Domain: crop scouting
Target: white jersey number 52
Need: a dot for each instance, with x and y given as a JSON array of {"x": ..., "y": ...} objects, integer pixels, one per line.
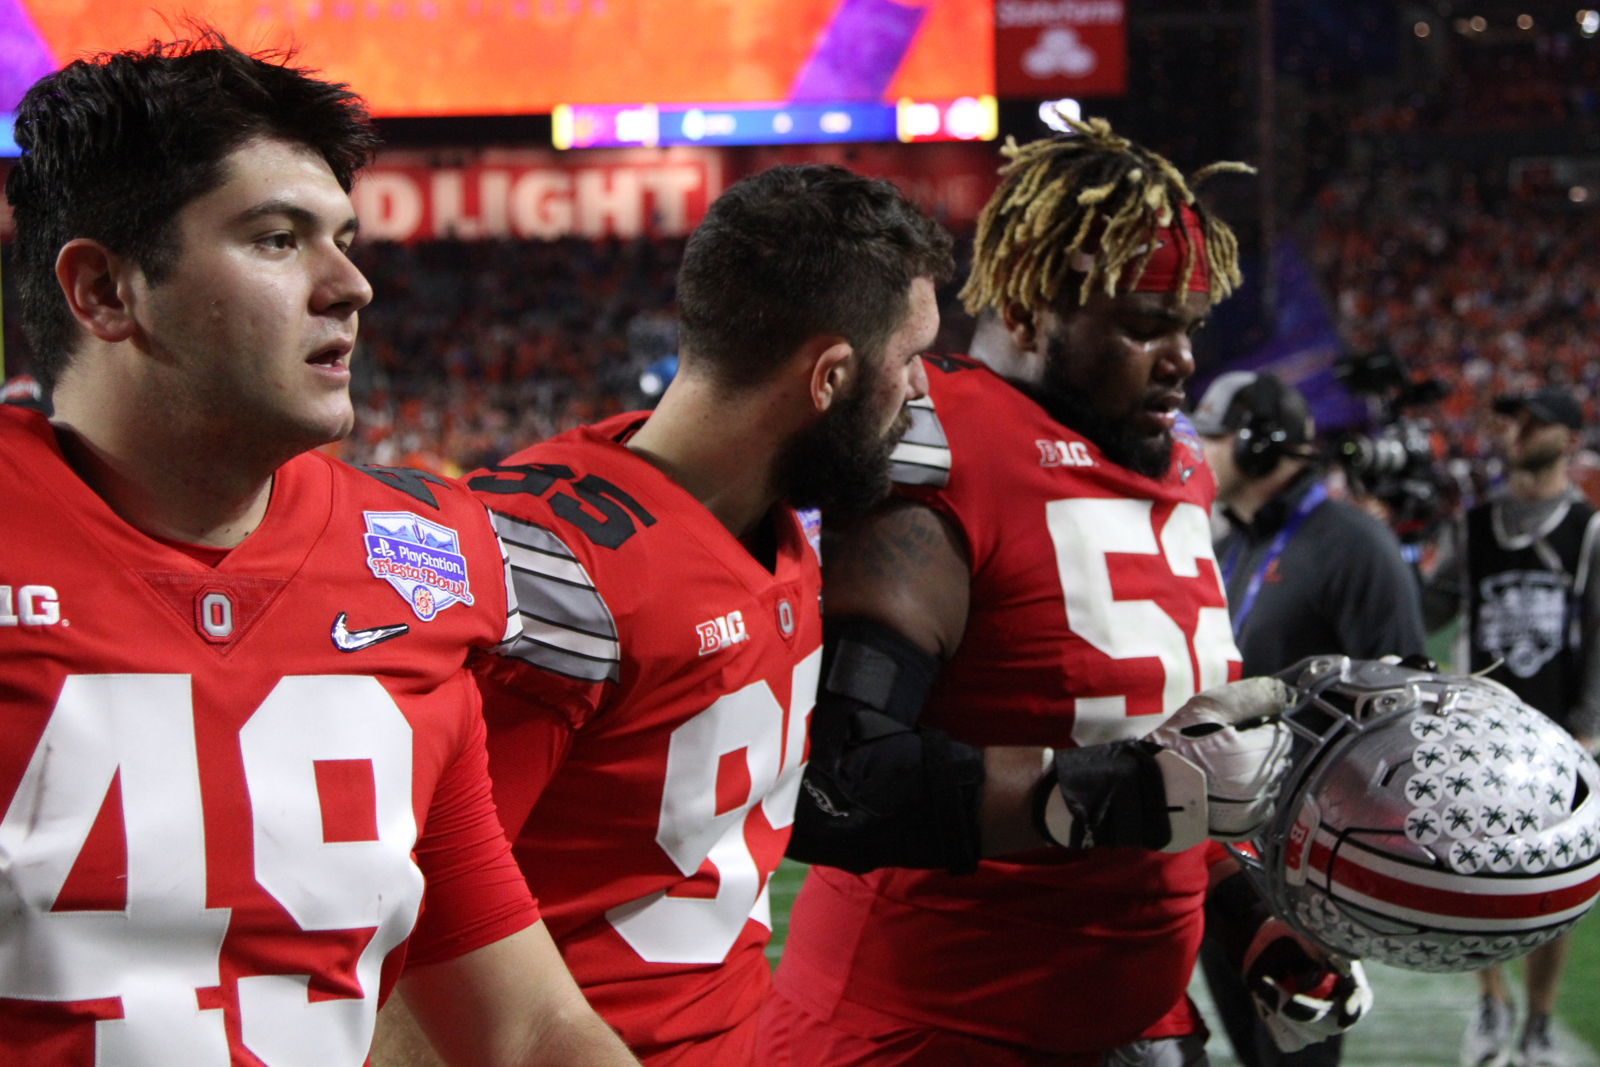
[
  {"x": 165, "y": 945},
  {"x": 1084, "y": 532}
]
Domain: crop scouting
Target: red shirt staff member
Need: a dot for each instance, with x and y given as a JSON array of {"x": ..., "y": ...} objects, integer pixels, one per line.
[
  {"x": 235, "y": 765},
  {"x": 1045, "y": 579}
]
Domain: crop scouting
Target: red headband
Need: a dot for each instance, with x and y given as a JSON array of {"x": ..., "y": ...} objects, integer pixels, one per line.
[{"x": 1165, "y": 269}]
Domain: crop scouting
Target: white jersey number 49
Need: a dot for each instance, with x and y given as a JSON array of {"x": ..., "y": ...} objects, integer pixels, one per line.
[
  {"x": 166, "y": 944},
  {"x": 668, "y": 929}
]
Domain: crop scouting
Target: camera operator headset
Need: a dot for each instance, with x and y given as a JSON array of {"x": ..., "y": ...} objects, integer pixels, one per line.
[{"x": 1305, "y": 575}]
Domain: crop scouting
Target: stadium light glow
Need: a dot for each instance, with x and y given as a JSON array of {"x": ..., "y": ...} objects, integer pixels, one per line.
[
  {"x": 1578, "y": 194},
  {"x": 1589, "y": 22},
  {"x": 1524, "y": 22},
  {"x": 1422, "y": 29},
  {"x": 1050, "y": 113},
  {"x": 1478, "y": 23}
]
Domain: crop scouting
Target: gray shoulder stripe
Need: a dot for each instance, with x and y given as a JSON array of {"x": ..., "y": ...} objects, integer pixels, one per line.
[
  {"x": 913, "y": 474},
  {"x": 562, "y": 619},
  {"x": 579, "y": 644},
  {"x": 923, "y": 455},
  {"x": 566, "y": 626},
  {"x": 573, "y": 619},
  {"x": 562, "y": 661},
  {"x": 529, "y": 535},
  {"x": 551, "y": 566},
  {"x": 580, "y": 606},
  {"x": 925, "y": 428}
]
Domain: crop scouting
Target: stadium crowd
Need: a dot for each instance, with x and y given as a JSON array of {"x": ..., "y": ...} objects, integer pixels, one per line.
[{"x": 1491, "y": 291}]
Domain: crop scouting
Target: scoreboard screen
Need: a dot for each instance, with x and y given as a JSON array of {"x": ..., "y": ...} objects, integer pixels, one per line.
[{"x": 487, "y": 57}]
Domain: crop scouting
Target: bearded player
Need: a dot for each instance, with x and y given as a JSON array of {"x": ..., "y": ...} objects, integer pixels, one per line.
[
  {"x": 1040, "y": 596},
  {"x": 648, "y": 730},
  {"x": 240, "y": 753}
]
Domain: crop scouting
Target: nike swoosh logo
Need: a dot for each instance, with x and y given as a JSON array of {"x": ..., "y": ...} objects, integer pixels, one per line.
[{"x": 346, "y": 640}]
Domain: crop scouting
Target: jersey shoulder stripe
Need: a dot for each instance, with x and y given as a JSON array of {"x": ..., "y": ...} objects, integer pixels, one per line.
[
  {"x": 566, "y": 626},
  {"x": 923, "y": 455}
]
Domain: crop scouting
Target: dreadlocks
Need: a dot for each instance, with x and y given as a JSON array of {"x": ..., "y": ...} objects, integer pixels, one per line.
[{"x": 1088, "y": 203}]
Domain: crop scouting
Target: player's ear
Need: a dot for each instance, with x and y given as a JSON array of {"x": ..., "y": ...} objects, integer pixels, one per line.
[
  {"x": 1022, "y": 324},
  {"x": 96, "y": 284},
  {"x": 831, "y": 370}
]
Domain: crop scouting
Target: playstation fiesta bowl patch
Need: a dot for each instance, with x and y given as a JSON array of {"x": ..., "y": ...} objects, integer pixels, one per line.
[{"x": 420, "y": 559}]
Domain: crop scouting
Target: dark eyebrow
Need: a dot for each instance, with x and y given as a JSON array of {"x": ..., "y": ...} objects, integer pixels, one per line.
[{"x": 300, "y": 215}]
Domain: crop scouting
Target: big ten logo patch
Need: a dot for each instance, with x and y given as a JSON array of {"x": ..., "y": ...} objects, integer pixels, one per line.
[
  {"x": 724, "y": 631},
  {"x": 1064, "y": 454},
  {"x": 30, "y": 605}
]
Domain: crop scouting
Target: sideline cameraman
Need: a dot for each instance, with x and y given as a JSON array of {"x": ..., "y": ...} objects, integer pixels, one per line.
[
  {"x": 1517, "y": 570},
  {"x": 1305, "y": 575}
]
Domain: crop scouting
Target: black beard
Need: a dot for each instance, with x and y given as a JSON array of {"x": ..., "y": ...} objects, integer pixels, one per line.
[
  {"x": 1074, "y": 408},
  {"x": 839, "y": 463}
]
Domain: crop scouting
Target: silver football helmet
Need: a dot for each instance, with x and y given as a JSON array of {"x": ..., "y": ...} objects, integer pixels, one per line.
[{"x": 1430, "y": 821}]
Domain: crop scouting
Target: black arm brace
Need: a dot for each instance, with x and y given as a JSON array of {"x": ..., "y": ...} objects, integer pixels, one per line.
[
  {"x": 879, "y": 790},
  {"x": 1114, "y": 792}
]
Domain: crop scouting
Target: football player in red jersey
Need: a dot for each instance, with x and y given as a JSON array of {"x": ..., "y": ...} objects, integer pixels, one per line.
[
  {"x": 648, "y": 729},
  {"x": 242, "y": 773},
  {"x": 1014, "y": 648}
]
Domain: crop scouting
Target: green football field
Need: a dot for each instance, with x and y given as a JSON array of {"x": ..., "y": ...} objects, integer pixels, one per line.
[{"x": 1580, "y": 991}]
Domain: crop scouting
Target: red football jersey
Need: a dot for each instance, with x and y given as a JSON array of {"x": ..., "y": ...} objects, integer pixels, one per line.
[
  {"x": 1096, "y": 611},
  {"x": 224, "y": 789},
  {"x": 653, "y": 716}
]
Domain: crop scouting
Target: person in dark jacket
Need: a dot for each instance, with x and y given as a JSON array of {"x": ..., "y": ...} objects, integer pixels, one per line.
[
  {"x": 1517, "y": 569},
  {"x": 1305, "y": 575}
]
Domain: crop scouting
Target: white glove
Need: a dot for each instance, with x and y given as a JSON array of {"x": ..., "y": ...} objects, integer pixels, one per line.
[
  {"x": 1303, "y": 995},
  {"x": 1224, "y": 753}
]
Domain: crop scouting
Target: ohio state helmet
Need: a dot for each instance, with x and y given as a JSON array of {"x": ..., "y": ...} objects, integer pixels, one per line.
[{"x": 1430, "y": 821}]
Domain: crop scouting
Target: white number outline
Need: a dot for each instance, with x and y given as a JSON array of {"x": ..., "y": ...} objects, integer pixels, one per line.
[
  {"x": 1085, "y": 531},
  {"x": 665, "y": 929},
  {"x": 166, "y": 944}
]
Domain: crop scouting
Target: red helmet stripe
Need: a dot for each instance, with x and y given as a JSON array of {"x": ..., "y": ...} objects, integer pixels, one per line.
[{"x": 1543, "y": 902}]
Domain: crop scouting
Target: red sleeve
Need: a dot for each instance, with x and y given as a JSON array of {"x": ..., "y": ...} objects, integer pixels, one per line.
[
  {"x": 528, "y": 742},
  {"x": 475, "y": 894}
]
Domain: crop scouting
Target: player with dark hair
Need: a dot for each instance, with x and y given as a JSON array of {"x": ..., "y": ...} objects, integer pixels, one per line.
[
  {"x": 1012, "y": 773},
  {"x": 243, "y": 783},
  {"x": 648, "y": 729}
]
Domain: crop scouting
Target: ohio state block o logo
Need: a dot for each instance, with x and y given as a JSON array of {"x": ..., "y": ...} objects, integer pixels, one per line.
[{"x": 214, "y": 616}]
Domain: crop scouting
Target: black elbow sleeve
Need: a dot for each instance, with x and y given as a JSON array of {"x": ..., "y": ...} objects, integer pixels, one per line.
[{"x": 879, "y": 790}]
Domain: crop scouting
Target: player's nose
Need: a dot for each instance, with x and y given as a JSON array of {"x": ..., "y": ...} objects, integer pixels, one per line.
[
  {"x": 342, "y": 289},
  {"x": 917, "y": 380},
  {"x": 1175, "y": 358}
]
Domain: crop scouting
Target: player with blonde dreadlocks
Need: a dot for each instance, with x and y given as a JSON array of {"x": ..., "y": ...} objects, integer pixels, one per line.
[
  {"x": 1062, "y": 195},
  {"x": 1006, "y": 817}
]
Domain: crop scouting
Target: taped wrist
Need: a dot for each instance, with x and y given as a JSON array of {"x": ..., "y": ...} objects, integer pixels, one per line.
[
  {"x": 1113, "y": 793},
  {"x": 879, "y": 790},
  {"x": 1234, "y": 912}
]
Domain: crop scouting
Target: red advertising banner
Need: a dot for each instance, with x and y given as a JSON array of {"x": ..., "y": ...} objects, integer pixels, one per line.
[
  {"x": 950, "y": 181},
  {"x": 530, "y": 193},
  {"x": 1051, "y": 48},
  {"x": 627, "y": 192}
]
